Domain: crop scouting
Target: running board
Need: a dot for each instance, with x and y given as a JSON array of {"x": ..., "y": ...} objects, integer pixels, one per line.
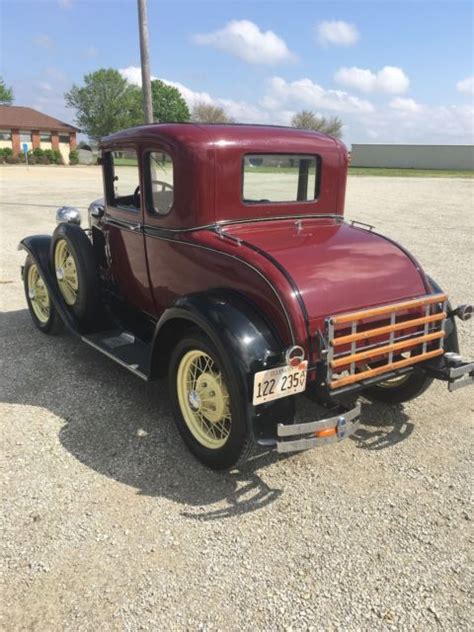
[{"x": 123, "y": 347}]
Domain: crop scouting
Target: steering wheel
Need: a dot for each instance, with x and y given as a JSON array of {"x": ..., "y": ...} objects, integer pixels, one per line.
[
  {"x": 136, "y": 197},
  {"x": 164, "y": 185}
]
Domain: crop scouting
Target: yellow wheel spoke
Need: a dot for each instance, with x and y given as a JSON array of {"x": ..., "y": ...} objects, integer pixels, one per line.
[
  {"x": 66, "y": 271},
  {"x": 39, "y": 297},
  {"x": 204, "y": 399}
]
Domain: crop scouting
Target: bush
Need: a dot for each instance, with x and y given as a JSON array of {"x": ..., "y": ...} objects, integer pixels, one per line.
[
  {"x": 11, "y": 159},
  {"x": 21, "y": 157},
  {"x": 58, "y": 157},
  {"x": 48, "y": 154},
  {"x": 31, "y": 158},
  {"x": 73, "y": 157},
  {"x": 7, "y": 151},
  {"x": 44, "y": 160},
  {"x": 37, "y": 152}
]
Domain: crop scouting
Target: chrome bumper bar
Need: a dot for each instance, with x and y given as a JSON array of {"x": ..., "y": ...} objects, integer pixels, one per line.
[
  {"x": 344, "y": 424},
  {"x": 461, "y": 375}
]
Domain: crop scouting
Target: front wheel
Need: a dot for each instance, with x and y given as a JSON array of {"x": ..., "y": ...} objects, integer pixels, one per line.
[
  {"x": 73, "y": 259},
  {"x": 399, "y": 389},
  {"x": 208, "y": 407},
  {"x": 42, "y": 310}
]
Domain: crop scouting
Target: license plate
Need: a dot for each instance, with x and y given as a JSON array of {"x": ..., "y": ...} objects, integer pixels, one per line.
[{"x": 280, "y": 381}]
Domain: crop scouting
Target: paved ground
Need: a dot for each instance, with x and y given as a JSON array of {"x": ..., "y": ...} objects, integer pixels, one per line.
[{"x": 109, "y": 524}]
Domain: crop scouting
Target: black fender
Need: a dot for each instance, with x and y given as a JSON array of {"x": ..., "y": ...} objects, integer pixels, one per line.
[
  {"x": 451, "y": 342},
  {"x": 241, "y": 333},
  {"x": 38, "y": 247}
]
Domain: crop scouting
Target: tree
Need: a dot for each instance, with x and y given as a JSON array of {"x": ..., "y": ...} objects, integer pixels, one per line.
[
  {"x": 6, "y": 94},
  {"x": 104, "y": 104},
  {"x": 168, "y": 103},
  {"x": 309, "y": 120},
  {"x": 206, "y": 113}
]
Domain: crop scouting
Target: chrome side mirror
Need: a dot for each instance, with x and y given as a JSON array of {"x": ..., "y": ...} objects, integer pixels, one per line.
[{"x": 68, "y": 215}]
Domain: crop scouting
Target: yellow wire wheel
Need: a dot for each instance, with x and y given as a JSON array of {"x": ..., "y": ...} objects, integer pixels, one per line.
[
  {"x": 66, "y": 272},
  {"x": 394, "y": 382},
  {"x": 38, "y": 294},
  {"x": 204, "y": 399}
]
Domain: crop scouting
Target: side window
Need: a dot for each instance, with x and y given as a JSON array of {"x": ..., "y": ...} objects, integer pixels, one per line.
[
  {"x": 161, "y": 183},
  {"x": 123, "y": 179}
]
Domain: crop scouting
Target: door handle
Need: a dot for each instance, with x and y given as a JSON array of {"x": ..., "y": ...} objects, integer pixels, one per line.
[{"x": 136, "y": 227}]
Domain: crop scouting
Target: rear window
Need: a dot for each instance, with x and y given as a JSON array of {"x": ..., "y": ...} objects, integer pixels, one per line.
[{"x": 269, "y": 178}]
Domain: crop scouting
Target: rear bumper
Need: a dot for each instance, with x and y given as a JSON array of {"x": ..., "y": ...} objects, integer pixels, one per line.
[
  {"x": 462, "y": 375},
  {"x": 316, "y": 433},
  {"x": 453, "y": 370}
]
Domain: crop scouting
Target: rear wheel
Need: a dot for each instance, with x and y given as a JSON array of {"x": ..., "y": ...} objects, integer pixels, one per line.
[
  {"x": 73, "y": 259},
  {"x": 208, "y": 407},
  {"x": 399, "y": 389},
  {"x": 42, "y": 310}
]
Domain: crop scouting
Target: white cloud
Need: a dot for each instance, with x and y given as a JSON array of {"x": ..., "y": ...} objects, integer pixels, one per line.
[
  {"x": 245, "y": 40},
  {"x": 466, "y": 85},
  {"x": 390, "y": 79},
  {"x": 43, "y": 41},
  {"x": 240, "y": 110},
  {"x": 54, "y": 73},
  {"x": 403, "y": 120},
  {"x": 90, "y": 51},
  {"x": 133, "y": 75},
  {"x": 45, "y": 86},
  {"x": 442, "y": 124},
  {"x": 337, "y": 32},
  {"x": 306, "y": 93},
  {"x": 405, "y": 105}
]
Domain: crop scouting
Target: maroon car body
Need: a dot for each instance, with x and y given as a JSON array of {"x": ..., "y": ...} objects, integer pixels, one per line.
[
  {"x": 344, "y": 270},
  {"x": 262, "y": 278}
]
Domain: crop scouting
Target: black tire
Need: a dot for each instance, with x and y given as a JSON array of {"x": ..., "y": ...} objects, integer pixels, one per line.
[
  {"x": 86, "y": 304},
  {"x": 238, "y": 446},
  {"x": 413, "y": 385},
  {"x": 51, "y": 323}
]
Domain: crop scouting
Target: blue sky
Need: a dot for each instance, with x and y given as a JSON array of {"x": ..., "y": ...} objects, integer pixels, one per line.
[{"x": 393, "y": 71}]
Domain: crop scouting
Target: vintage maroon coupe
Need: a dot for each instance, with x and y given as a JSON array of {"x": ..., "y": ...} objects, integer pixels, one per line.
[{"x": 220, "y": 256}]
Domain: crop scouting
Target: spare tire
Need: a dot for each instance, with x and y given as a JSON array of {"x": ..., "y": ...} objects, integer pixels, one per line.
[{"x": 73, "y": 259}]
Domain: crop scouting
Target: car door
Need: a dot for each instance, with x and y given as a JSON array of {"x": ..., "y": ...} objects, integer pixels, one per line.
[{"x": 124, "y": 227}]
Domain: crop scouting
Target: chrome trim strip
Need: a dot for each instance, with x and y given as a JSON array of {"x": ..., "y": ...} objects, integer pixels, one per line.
[
  {"x": 125, "y": 224},
  {"x": 230, "y": 222},
  {"x": 112, "y": 357},
  {"x": 148, "y": 233}
]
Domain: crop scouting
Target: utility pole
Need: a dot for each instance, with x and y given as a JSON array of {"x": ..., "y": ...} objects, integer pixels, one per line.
[{"x": 145, "y": 59}]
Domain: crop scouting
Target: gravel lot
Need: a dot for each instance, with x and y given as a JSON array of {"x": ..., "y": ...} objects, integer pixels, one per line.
[{"x": 110, "y": 524}]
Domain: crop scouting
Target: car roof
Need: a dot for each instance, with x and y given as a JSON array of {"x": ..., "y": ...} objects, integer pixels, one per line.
[{"x": 219, "y": 134}]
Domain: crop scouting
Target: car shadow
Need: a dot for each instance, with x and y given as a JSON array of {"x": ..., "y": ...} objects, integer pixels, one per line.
[
  {"x": 122, "y": 427},
  {"x": 382, "y": 426}
]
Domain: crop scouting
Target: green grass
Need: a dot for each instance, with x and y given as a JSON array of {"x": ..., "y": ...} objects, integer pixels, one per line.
[
  {"x": 353, "y": 171},
  {"x": 409, "y": 173},
  {"x": 125, "y": 162},
  {"x": 376, "y": 171}
]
